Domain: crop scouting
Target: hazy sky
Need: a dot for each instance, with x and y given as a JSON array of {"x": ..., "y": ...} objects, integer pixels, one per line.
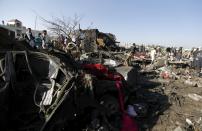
[{"x": 165, "y": 22}]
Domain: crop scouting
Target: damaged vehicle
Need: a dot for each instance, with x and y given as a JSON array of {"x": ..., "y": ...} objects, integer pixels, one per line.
[{"x": 49, "y": 91}]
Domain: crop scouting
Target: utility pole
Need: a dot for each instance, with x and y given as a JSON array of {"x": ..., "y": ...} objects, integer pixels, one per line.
[{"x": 35, "y": 22}]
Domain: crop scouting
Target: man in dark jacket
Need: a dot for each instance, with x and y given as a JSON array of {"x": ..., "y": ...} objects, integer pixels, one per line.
[{"x": 29, "y": 37}]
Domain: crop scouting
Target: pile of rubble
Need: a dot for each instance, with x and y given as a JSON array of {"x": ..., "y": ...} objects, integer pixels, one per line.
[
  {"x": 51, "y": 90},
  {"x": 173, "y": 96},
  {"x": 97, "y": 86}
]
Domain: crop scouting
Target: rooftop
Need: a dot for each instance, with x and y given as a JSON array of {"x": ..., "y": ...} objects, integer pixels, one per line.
[{"x": 14, "y": 20}]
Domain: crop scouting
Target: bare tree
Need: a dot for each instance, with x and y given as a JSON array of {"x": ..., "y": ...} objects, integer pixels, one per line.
[{"x": 66, "y": 26}]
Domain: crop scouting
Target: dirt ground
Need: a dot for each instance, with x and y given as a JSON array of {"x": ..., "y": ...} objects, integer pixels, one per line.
[{"x": 169, "y": 102}]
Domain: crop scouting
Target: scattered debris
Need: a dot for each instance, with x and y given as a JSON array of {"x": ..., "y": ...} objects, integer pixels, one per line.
[
  {"x": 92, "y": 84},
  {"x": 178, "y": 129},
  {"x": 195, "y": 97}
]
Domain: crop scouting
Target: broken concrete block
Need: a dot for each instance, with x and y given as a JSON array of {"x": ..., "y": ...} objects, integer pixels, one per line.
[
  {"x": 195, "y": 97},
  {"x": 178, "y": 129},
  {"x": 190, "y": 83}
]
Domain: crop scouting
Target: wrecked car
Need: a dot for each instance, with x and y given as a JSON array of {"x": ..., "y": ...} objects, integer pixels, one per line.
[{"x": 49, "y": 91}]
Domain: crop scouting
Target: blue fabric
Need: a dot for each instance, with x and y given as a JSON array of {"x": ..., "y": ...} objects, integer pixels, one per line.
[{"x": 38, "y": 42}]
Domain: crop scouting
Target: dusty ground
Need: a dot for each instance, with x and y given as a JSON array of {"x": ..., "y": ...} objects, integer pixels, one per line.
[{"x": 169, "y": 107}]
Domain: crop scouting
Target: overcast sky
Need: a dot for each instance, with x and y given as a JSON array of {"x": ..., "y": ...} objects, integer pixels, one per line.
[{"x": 164, "y": 22}]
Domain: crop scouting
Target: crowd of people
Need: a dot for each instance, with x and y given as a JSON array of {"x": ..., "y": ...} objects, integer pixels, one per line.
[
  {"x": 41, "y": 41},
  {"x": 170, "y": 54}
]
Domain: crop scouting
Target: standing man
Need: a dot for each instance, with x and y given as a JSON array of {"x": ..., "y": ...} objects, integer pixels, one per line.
[
  {"x": 38, "y": 41},
  {"x": 29, "y": 37},
  {"x": 45, "y": 40},
  {"x": 179, "y": 54},
  {"x": 130, "y": 55},
  {"x": 134, "y": 49},
  {"x": 153, "y": 55},
  {"x": 198, "y": 60}
]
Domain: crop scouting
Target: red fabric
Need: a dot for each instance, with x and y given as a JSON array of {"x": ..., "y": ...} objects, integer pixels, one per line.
[
  {"x": 128, "y": 124},
  {"x": 99, "y": 69},
  {"x": 165, "y": 75}
]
